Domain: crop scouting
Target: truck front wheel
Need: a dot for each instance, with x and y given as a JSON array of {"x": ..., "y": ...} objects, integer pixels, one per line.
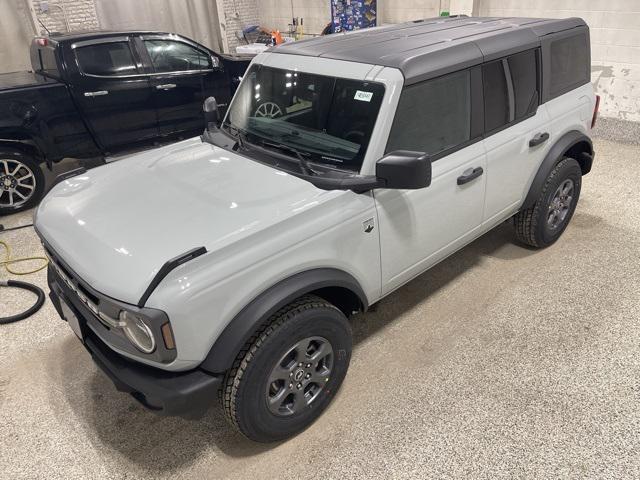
[
  {"x": 289, "y": 371},
  {"x": 21, "y": 182}
]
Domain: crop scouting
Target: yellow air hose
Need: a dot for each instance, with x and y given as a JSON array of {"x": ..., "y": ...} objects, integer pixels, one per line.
[{"x": 8, "y": 261}]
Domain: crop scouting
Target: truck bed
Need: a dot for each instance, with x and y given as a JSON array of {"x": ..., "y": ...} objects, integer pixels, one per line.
[{"x": 18, "y": 80}]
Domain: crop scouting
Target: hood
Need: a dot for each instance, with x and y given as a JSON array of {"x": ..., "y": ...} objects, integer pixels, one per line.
[{"x": 116, "y": 225}]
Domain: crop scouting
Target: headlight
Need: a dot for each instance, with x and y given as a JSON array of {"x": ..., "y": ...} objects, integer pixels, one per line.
[{"x": 137, "y": 331}]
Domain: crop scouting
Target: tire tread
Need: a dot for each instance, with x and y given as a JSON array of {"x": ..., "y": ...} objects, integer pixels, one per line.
[
  {"x": 526, "y": 222},
  {"x": 233, "y": 378}
]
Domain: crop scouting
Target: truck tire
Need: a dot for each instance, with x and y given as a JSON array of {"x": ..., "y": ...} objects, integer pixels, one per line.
[
  {"x": 288, "y": 372},
  {"x": 543, "y": 223},
  {"x": 21, "y": 182}
]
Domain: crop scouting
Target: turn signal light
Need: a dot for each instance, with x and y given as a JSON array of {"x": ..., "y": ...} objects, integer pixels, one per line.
[{"x": 167, "y": 335}]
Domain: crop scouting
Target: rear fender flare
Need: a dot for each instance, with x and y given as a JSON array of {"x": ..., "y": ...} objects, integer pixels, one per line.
[{"x": 571, "y": 139}]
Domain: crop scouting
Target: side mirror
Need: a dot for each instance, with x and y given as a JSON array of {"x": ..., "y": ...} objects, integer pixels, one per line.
[
  {"x": 404, "y": 169},
  {"x": 211, "y": 113},
  {"x": 216, "y": 64}
]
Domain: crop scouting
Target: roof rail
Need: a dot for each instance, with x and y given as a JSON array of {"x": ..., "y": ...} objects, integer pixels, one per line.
[{"x": 439, "y": 18}]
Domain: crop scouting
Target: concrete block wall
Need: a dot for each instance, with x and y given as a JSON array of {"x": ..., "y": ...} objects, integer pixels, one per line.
[
  {"x": 238, "y": 15},
  {"x": 615, "y": 44},
  {"x": 80, "y": 14}
]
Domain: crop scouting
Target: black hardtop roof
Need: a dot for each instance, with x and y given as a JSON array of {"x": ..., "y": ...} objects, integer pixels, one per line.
[
  {"x": 95, "y": 34},
  {"x": 431, "y": 47}
]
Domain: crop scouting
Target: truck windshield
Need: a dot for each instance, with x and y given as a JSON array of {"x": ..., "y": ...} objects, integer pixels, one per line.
[{"x": 326, "y": 119}]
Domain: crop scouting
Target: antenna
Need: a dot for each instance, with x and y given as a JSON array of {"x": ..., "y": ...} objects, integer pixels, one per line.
[{"x": 40, "y": 22}]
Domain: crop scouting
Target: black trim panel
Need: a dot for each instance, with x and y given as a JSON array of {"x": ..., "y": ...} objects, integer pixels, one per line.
[
  {"x": 555, "y": 154},
  {"x": 167, "y": 393},
  {"x": 166, "y": 268},
  {"x": 239, "y": 330}
]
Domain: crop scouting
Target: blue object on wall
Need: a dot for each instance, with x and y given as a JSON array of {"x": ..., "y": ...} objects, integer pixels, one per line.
[{"x": 353, "y": 14}]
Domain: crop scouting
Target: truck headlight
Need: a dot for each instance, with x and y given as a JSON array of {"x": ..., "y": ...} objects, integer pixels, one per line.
[{"x": 137, "y": 331}]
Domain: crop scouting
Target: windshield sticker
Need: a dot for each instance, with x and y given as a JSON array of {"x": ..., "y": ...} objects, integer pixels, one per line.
[{"x": 363, "y": 96}]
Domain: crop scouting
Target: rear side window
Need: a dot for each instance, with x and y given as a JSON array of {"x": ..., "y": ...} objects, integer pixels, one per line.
[
  {"x": 569, "y": 64},
  {"x": 433, "y": 116},
  {"x": 496, "y": 96},
  {"x": 106, "y": 59},
  {"x": 511, "y": 90},
  {"x": 523, "y": 68}
]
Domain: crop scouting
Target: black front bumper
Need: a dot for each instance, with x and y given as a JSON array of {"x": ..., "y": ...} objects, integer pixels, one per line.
[{"x": 168, "y": 393}]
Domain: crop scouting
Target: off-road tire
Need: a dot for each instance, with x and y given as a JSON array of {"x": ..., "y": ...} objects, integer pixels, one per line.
[
  {"x": 531, "y": 226},
  {"x": 38, "y": 181},
  {"x": 243, "y": 393}
]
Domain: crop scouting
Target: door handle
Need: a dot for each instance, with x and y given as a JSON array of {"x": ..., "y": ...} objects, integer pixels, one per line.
[
  {"x": 99, "y": 93},
  {"x": 166, "y": 86},
  {"x": 538, "y": 139},
  {"x": 467, "y": 177}
]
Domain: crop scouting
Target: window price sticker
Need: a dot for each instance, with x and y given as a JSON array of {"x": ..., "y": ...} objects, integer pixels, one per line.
[{"x": 363, "y": 96}]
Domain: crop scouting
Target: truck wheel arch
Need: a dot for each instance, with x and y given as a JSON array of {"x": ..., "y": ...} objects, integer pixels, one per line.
[
  {"x": 572, "y": 144},
  {"x": 9, "y": 146},
  {"x": 335, "y": 286}
]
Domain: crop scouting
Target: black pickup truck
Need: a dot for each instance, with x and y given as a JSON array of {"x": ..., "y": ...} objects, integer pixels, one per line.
[{"x": 96, "y": 94}]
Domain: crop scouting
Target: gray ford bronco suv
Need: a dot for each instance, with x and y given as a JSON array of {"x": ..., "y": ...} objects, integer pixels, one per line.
[{"x": 226, "y": 266}]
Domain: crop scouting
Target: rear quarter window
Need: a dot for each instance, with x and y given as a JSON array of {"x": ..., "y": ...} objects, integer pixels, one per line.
[
  {"x": 523, "y": 68},
  {"x": 569, "y": 63}
]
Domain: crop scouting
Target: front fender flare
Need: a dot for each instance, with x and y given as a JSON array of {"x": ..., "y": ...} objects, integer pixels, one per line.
[
  {"x": 555, "y": 154},
  {"x": 244, "y": 324}
]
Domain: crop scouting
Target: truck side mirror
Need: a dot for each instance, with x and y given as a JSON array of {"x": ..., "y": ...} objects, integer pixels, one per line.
[
  {"x": 404, "y": 169},
  {"x": 211, "y": 113}
]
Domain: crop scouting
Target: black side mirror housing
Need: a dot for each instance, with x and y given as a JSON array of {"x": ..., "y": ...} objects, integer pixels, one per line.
[
  {"x": 404, "y": 169},
  {"x": 211, "y": 113}
]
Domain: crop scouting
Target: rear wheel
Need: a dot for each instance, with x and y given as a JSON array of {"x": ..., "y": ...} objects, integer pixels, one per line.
[
  {"x": 287, "y": 374},
  {"x": 21, "y": 182},
  {"x": 543, "y": 223}
]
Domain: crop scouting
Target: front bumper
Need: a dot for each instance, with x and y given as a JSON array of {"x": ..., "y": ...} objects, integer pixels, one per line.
[{"x": 168, "y": 393}]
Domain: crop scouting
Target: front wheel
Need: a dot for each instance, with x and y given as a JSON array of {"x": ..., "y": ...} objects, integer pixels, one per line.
[
  {"x": 21, "y": 182},
  {"x": 288, "y": 373},
  {"x": 543, "y": 223}
]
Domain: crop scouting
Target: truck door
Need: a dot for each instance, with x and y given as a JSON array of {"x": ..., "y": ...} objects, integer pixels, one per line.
[
  {"x": 518, "y": 134},
  {"x": 184, "y": 74},
  {"x": 420, "y": 227},
  {"x": 113, "y": 93}
]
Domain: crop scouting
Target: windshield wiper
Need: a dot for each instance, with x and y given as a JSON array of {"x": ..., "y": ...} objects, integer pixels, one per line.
[
  {"x": 240, "y": 135},
  {"x": 301, "y": 160}
]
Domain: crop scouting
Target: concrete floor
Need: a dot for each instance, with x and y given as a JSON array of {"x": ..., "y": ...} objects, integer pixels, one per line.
[{"x": 501, "y": 362}]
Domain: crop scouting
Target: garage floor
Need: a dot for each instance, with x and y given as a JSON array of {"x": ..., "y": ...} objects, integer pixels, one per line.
[{"x": 499, "y": 362}]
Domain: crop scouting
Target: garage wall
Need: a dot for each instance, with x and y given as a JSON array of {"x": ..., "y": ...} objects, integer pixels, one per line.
[
  {"x": 238, "y": 15},
  {"x": 317, "y": 13},
  {"x": 615, "y": 44},
  {"x": 278, "y": 14},
  {"x": 398, "y": 11},
  {"x": 196, "y": 19},
  {"x": 16, "y": 31},
  {"x": 67, "y": 15}
]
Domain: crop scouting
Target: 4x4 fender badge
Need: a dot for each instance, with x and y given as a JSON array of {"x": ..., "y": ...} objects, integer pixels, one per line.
[{"x": 166, "y": 268}]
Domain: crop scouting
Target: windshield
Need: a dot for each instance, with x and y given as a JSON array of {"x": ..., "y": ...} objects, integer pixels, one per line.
[{"x": 327, "y": 119}]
